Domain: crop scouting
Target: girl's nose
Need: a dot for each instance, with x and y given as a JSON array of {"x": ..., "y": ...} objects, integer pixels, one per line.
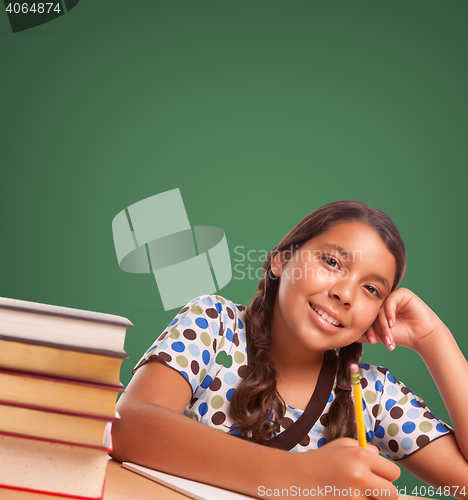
[{"x": 343, "y": 290}]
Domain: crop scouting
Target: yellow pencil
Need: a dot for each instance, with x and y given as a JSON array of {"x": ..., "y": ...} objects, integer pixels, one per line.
[{"x": 361, "y": 432}]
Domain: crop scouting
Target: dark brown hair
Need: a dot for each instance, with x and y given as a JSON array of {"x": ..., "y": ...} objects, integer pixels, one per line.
[{"x": 257, "y": 407}]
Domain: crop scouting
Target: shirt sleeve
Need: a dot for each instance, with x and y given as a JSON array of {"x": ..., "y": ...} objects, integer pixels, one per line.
[
  {"x": 396, "y": 420},
  {"x": 189, "y": 343}
]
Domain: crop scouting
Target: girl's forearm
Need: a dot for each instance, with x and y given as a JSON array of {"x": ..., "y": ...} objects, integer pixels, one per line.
[
  {"x": 161, "y": 439},
  {"x": 449, "y": 369}
]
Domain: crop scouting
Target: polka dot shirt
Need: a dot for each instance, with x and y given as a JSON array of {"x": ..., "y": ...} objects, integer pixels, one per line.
[{"x": 206, "y": 344}]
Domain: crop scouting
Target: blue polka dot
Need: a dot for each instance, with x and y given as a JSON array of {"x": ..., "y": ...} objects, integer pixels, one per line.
[
  {"x": 363, "y": 404},
  {"x": 316, "y": 429},
  {"x": 391, "y": 390},
  {"x": 202, "y": 409},
  {"x": 229, "y": 334},
  {"x": 367, "y": 421},
  {"x": 371, "y": 376},
  {"x": 206, "y": 382},
  {"x": 229, "y": 394},
  {"x": 151, "y": 349},
  {"x": 178, "y": 347},
  {"x": 407, "y": 444},
  {"x": 391, "y": 378},
  {"x": 408, "y": 427},
  {"x": 206, "y": 356},
  {"x": 378, "y": 386},
  {"x": 194, "y": 300},
  {"x": 214, "y": 327},
  {"x": 389, "y": 404},
  {"x": 219, "y": 307},
  {"x": 201, "y": 322},
  {"x": 297, "y": 415},
  {"x": 208, "y": 301},
  {"x": 243, "y": 337},
  {"x": 185, "y": 374},
  {"x": 173, "y": 322},
  {"x": 293, "y": 450},
  {"x": 415, "y": 403},
  {"x": 413, "y": 413},
  {"x": 441, "y": 428},
  {"x": 163, "y": 346},
  {"x": 380, "y": 432},
  {"x": 240, "y": 324},
  {"x": 321, "y": 442},
  {"x": 364, "y": 366},
  {"x": 230, "y": 378},
  {"x": 369, "y": 436},
  {"x": 186, "y": 321},
  {"x": 193, "y": 383},
  {"x": 330, "y": 398},
  {"x": 382, "y": 446},
  {"x": 194, "y": 350},
  {"x": 235, "y": 431},
  {"x": 205, "y": 421}
]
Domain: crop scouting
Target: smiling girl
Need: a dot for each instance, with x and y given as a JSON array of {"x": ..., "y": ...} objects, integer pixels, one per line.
[{"x": 274, "y": 377}]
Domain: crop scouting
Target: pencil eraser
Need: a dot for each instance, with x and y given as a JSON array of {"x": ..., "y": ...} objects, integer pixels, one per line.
[{"x": 354, "y": 368}]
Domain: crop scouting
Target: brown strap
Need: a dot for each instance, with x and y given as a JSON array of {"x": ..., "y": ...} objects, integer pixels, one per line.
[{"x": 296, "y": 432}]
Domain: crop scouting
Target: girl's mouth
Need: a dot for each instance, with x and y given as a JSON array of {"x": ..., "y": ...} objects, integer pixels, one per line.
[{"x": 326, "y": 316}]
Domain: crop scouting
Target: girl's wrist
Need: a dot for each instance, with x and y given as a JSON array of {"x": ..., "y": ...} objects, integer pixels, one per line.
[{"x": 433, "y": 340}]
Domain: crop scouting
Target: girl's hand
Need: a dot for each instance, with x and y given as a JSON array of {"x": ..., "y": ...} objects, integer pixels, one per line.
[
  {"x": 343, "y": 465},
  {"x": 404, "y": 320}
]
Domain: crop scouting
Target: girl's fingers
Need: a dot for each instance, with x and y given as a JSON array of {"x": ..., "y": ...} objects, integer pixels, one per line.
[{"x": 385, "y": 332}]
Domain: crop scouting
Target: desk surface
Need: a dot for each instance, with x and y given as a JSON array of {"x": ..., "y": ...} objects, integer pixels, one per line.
[{"x": 121, "y": 484}]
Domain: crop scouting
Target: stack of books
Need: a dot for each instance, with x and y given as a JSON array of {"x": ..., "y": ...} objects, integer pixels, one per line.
[{"x": 59, "y": 381}]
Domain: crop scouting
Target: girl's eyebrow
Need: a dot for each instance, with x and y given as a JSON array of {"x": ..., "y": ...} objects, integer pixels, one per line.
[{"x": 342, "y": 251}]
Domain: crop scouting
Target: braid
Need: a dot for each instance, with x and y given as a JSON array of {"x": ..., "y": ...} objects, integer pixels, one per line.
[
  {"x": 257, "y": 407},
  {"x": 340, "y": 417}
]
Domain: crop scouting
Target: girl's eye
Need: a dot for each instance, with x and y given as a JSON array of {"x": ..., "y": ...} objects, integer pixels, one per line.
[
  {"x": 372, "y": 290},
  {"x": 331, "y": 262}
]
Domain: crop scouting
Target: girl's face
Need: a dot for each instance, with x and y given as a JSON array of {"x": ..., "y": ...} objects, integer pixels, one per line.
[{"x": 332, "y": 288}]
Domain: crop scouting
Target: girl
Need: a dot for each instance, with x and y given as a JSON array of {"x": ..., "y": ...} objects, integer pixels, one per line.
[{"x": 275, "y": 376}]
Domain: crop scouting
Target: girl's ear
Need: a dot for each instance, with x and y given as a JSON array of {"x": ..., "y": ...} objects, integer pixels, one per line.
[{"x": 277, "y": 264}]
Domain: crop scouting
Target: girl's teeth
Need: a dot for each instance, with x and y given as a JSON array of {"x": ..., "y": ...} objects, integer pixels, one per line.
[{"x": 325, "y": 316}]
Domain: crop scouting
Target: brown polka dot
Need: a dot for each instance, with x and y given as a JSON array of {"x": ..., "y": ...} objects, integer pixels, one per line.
[
  {"x": 218, "y": 418},
  {"x": 192, "y": 402},
  {"x": 422, "y": 440},
  {"x": 195, "y": 367},
  {"x": 165, "y": 357},
  {"x": 240, "y": 308},
  {"x": 235, "y": 340},
  {"x": 190, "y": 334},
  {"x": 286, "y": 422},
  {"x": 393, "y": 445},
  {"x": 405, "y": 390},
  {"x": 364, "y": 383},
  {"x": 377, "y": 423},
  {"x": 396, "y": 412},
  {"x": 230, "y": 312},
  {"x": 242, "y": 371},
  {"x": 305, "y": 441},
  {"x": 221, "y": 330},
  {"x": 383, "y": 370},
  {"x": 422, "y": 404},
  {"x": 185, "y": 309},
  {"x": 324, "y": 419},
  {"x": 214, "y": 345},
  {"x": 163, "y": 335},
  {"x": 211, "y": 312},
  {"x": 216, "y": 384},
  {"x": 428, "y": 414},
  {"x": 375, "y": 410}
]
